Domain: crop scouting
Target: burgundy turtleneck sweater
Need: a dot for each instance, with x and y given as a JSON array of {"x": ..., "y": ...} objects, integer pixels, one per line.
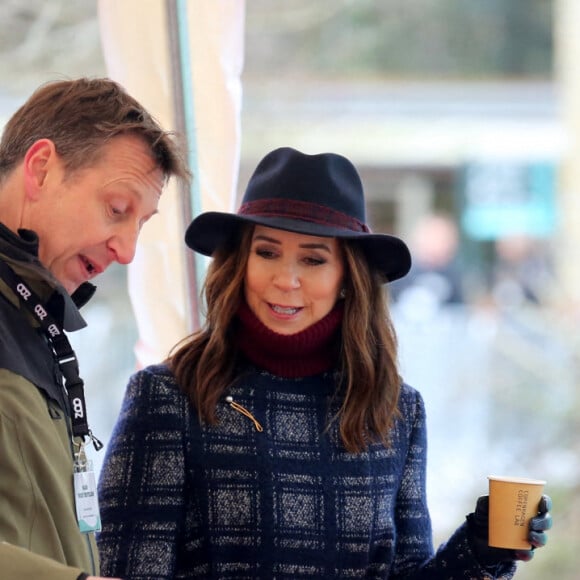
[{"x": 305, "y": 353}]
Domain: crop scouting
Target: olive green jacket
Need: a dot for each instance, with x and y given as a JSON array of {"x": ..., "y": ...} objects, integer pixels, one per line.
[
  {"x": 37, "y": 509},
  {"x": 39, "y": 534}
]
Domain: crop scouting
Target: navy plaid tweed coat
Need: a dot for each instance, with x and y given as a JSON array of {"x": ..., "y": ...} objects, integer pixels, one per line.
[{"x": 184, "y": 500}]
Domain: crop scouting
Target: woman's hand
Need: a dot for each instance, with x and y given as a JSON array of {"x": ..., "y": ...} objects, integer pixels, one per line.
[
  {"x": 478, "y": 525},
  {"x": 539, "y": 525}
]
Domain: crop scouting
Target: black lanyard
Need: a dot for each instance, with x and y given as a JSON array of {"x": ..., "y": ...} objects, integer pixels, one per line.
[{"x": 61, "y": 350}]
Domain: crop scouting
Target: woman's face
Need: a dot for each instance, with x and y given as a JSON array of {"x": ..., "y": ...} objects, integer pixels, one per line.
[{"x": 292, "y": 280}]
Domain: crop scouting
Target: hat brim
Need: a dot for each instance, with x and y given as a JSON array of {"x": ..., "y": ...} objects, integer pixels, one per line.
[{"x": 210, "y": 230}]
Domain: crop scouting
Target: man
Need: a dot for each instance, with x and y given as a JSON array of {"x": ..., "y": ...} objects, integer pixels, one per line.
[{"x": 82, "y": 166}]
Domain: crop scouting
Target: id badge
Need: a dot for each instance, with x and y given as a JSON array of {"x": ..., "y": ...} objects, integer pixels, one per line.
[{"x": 86, "y": 500}]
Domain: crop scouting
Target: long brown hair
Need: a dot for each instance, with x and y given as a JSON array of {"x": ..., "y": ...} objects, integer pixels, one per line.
[{"x": 204, "y": 364}]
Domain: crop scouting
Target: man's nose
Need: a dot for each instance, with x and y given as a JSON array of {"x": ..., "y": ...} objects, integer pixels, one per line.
[{"x": 123, "y": 245}]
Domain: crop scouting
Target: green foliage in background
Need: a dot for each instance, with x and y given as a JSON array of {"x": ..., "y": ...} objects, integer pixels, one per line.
[{"x": 418, "y": 38}]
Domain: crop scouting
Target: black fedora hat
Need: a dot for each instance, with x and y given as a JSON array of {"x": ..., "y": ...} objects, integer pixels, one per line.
[{"x": 319, "y": 195}]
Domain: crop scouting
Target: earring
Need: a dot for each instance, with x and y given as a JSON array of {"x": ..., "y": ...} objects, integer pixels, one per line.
[{"x": 342, "y": 293}]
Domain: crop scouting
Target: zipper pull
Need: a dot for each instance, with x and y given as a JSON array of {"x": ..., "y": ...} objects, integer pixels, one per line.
[
  {"x": 230, "y": 401},
  {"x": 97, "y": 444}
]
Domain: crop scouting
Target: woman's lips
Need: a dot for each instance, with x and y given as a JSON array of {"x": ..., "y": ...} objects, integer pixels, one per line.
[{"x": 285, "y": 310}]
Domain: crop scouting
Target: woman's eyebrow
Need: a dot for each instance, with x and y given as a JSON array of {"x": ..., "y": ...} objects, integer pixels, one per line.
[
  {"x": 316, "y": 246},
  {"x": 263, "y": 238},
  {"x": 306, "y": 246}
]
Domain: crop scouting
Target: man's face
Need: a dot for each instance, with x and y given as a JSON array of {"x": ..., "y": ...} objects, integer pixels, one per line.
[{"x": 93, "y": 218}]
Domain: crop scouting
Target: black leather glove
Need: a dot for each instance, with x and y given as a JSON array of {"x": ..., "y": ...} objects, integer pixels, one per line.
[{"x": 478, "y": 526}]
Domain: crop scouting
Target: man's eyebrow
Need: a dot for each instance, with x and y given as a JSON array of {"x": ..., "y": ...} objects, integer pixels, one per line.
[{"x": 137, "y": 194}]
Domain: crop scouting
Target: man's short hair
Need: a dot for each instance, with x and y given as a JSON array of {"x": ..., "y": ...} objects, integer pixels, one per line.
[{"x": 81, "y": 116}]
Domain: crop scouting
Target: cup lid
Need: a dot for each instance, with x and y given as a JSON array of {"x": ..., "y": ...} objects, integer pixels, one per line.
[{"x": 514, "y": 479}]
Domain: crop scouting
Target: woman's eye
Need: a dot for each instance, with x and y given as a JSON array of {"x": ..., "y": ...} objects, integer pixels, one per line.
[
  {"x": 314, "y": 261},
  {"x": 264, "y": 253}
]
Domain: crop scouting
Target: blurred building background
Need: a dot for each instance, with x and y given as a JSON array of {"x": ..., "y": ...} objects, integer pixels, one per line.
[{"x": 463, "y": 118}]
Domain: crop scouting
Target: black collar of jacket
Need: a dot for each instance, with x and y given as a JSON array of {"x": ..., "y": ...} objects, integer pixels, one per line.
[
  {"x": 23, "y": 348},
  {"x": 20, "y": 251},
  {"x": 25, "y": 352}
]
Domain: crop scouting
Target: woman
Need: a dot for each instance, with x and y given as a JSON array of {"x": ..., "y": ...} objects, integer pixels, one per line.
[{"x": 279, "y": 440}]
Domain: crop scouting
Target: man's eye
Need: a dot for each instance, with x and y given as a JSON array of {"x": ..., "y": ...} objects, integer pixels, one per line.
[{"x": 118, "y": 210}]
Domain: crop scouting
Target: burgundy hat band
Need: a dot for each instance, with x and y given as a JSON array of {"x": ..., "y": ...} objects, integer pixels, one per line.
[{"x": 303, "y": 211}]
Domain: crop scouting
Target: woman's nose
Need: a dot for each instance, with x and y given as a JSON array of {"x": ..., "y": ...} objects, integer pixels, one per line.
[{"x": 287, "y": 277}]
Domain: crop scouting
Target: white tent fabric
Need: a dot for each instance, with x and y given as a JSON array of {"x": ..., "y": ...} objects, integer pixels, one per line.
[{"x": 136, "y": 46}]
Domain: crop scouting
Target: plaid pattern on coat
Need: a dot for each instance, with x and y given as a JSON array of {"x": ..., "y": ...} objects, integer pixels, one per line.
[{"x": 184, "y": 500}]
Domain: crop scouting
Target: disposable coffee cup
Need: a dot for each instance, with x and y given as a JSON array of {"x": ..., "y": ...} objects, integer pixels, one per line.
[{"x": 513, "y": 502}]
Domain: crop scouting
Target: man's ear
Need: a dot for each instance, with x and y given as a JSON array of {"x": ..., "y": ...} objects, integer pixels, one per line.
[{"x": 40, "y": 156}]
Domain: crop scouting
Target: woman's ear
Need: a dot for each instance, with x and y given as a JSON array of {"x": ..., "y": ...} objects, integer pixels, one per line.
[{"x": 37, "y": 161}]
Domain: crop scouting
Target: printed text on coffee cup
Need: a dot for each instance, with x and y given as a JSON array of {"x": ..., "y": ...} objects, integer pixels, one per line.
[{"x": 521, "y": 508}]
